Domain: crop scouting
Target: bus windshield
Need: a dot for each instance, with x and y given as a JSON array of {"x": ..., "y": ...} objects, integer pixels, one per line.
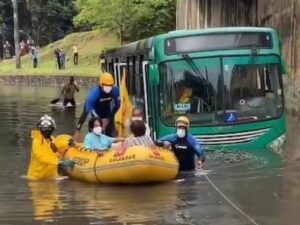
[{"x": 210, "y": 94}]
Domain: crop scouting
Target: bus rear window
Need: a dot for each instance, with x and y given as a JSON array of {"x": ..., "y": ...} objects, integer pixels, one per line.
[{"x": 218, "y": 41}]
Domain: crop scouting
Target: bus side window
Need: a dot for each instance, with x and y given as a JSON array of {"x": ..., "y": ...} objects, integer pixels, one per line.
[{"x": 134, "y": 81}]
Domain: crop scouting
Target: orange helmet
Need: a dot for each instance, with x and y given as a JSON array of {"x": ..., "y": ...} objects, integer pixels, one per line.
[
  {"x": 106, "y": 79},
  {"x": 182, "y": 121}
]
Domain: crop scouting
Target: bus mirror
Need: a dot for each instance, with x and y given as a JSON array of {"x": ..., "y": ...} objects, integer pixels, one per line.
[
  {"x": 283, "y": 66},
  {"x": 153, "y": 74}
]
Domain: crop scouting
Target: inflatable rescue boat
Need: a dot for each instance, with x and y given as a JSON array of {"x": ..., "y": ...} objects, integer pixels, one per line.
[{"x": 136, "y": 164}]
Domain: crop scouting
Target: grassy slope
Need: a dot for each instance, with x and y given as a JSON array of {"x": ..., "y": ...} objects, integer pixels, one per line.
[{"x": 89, "y": 45}]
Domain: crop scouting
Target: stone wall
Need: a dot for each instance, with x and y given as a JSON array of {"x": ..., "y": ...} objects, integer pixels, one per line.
[
  {"x": 283, "y": 15},
  {"x": 47, "y": 80},
  {"x": 210, "y": 13}
]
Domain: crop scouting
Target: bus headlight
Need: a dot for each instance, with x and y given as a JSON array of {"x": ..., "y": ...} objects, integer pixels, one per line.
[{"x": 277, "y": 145}]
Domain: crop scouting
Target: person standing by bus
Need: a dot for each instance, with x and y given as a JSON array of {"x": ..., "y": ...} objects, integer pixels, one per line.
[
  {"x": 185, "y": 146},
  {"x": 103, "y": 101},
  {"x": 101, "y": 60},
  {"x": 136, "y": 114}
]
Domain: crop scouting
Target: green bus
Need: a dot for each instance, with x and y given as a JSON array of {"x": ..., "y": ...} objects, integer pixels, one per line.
[{"x": 227, "y": 81}]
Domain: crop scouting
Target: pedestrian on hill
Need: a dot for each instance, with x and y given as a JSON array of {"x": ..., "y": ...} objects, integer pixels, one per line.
[
  {"x": 7, "y": 49},
  {"x": 35, "y": 56},
  {"x": 62, "y": 59},
  {"x": 75, "y": 54},
  {"x": 57, "y": 56}
]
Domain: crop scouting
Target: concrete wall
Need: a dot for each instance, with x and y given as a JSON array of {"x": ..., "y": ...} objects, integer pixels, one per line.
[
  {"x": 210, "y": 13},
  {"x": 283, "y": 15},
  {"x": 43, "y": 80}
]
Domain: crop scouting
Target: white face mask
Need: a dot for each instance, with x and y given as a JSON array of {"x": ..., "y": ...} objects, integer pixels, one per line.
[
  {"x": 107, "y": 89},
  {"x": 97, "y": 130},
  {"x": 181, "y": 133},
  {"x": 137, "y": 118}
]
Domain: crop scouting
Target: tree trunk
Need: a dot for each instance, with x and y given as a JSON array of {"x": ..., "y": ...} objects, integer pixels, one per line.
[
  {"x": 121, "y": 32},
  {"x": 16, "y": 34}
]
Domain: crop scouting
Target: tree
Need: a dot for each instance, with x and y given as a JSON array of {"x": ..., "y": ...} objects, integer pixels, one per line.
[
  {"x": 51, "y": 19},
  {"x": 154, "y": 17},
  {"x": 115, "y": 16},
  {"x": 130, "y": 19},
  {"x": 45, "y": 20}
]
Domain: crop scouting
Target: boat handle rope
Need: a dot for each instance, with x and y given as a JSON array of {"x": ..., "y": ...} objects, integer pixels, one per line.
[
  {"x": 95, "y": 172},
  {"x": 65, "y": 151},
  {"x": 229, "y": 201}
]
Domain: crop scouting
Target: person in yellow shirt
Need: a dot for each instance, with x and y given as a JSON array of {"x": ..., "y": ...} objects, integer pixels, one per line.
[
  {"x": 44, "y": 162},
  {"x": 75, "y": 54}
]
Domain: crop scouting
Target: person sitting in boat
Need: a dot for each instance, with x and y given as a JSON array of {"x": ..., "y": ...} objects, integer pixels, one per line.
[
  {"x": 95, "y": 139},
  {"x": 44, "y": 162},
  {"x": 138, "y": 129},
  {"x": 68, "y": 92},
  {"x": 137, "y": 114},
  {"x": 184, "y": 145}
]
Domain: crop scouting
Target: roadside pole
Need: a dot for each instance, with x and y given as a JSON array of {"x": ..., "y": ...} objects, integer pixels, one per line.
[{"x": 16, "y": 34}]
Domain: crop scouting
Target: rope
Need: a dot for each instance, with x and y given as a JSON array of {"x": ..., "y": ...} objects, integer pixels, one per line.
[
  {"x": 95, "y": 171},
  {"x": 229, "y": 201}
]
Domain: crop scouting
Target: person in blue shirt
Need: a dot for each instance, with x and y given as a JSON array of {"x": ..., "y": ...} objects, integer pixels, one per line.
[
  {"x": 185, "y": 146},
  {"x": 95, "y": 139},
  {"x": 102, "y": 101}
]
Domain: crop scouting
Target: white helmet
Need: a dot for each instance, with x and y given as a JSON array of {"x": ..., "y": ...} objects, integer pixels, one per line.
[{"x": 46, "y": 122}]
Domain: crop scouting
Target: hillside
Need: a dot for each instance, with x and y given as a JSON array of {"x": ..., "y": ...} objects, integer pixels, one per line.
[{"x": 89, "y": 45}]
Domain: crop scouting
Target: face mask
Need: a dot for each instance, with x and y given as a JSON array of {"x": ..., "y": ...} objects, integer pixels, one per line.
[
  {"x": 97, "y": 130},
  {"x": 181, "y": 133},
  {"x": 107, "y": 89},
  {"x": 46, "y": 133},
  {"x": 137, "y": 118}
]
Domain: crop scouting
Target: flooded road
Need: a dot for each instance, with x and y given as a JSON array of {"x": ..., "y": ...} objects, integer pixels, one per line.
[{"x": 239, "y": 188}]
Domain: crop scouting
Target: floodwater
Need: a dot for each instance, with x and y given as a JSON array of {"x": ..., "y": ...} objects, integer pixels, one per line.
[{"x": 238, "y": 189}]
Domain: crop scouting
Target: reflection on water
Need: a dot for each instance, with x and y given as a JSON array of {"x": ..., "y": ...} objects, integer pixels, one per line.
[
  {"x": 263, "y": 185},
  {"x": 45, "y": 199}
]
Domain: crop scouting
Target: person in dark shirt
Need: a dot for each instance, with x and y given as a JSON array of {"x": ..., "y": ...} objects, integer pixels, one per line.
[
  {"x": 103, "y": 101},
  {"x": 68, "y": 92},
  {"x": 185, "y": 146}
]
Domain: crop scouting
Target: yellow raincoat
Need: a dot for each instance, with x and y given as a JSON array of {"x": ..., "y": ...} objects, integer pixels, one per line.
[{"x": 43, "y": 162}]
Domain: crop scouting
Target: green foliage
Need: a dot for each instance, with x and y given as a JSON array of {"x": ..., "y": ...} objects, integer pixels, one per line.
[
  {"x": 44, "y": 20},
  {"x": 154, "y": 17},
  {"x": 130, "y": 19},
  {"x": 51, "y": 19}
]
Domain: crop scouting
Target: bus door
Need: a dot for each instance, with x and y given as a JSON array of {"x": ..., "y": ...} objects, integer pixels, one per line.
[
  {"x": 118, "y": 70},
  {"x": 149, "y": 113}
]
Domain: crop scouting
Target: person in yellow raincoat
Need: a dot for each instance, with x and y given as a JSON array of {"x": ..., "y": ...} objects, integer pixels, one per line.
[{"x": 44, "y": 162}]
